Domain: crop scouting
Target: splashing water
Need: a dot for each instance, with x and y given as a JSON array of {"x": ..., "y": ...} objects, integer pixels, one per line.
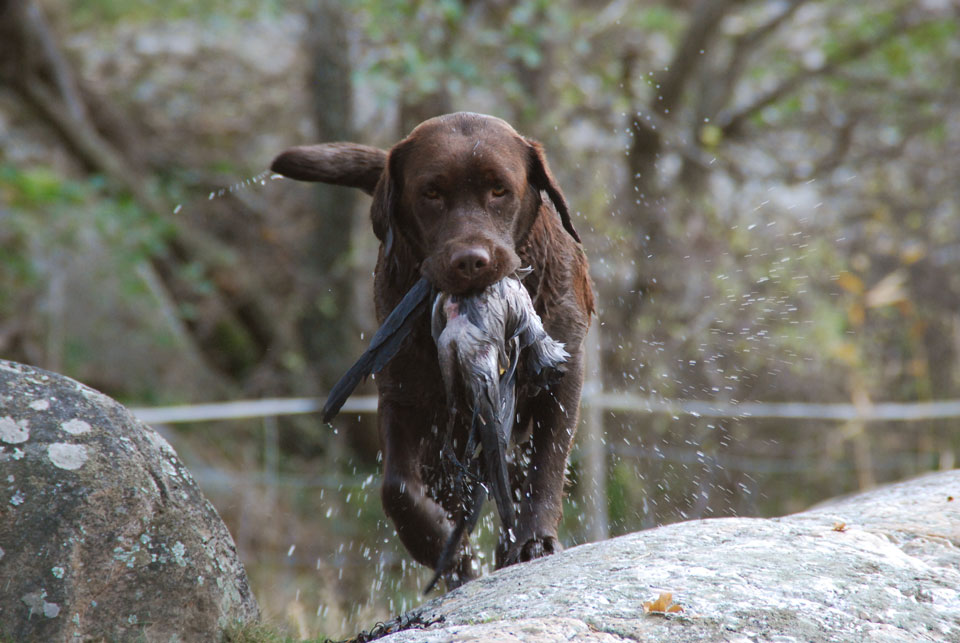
[{"x": 259, "y": 179}]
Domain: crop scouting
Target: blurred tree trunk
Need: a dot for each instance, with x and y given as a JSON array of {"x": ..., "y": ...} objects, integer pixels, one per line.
[
  {"x": 329, "y": 345},
  {"x": 644, "y": 201},
  {"x": 417, "y": 104},
  {"x": 649, "y": 122},
  {"x": 420, "y": 108},
  {"x": 327, "y": 324}
]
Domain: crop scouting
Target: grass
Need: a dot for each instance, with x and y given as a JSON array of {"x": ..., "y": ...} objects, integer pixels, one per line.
[{"x": 261, "y": 633}]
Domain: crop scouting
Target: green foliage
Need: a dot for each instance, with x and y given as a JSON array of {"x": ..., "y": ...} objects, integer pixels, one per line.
[
  {"x": 49, "y": 222},
  {"x": 659, "y": 18},
  {"x": 422, "y": 48},
  {"x": 48, "y": 209},
  {"x": 101, "y": 13},
  {"x": 624, "y": 490},
  {"x": 38, "y": 187}
]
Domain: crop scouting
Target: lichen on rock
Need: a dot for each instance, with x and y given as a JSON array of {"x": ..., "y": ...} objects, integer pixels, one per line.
[{"x": 103, "y": 532}]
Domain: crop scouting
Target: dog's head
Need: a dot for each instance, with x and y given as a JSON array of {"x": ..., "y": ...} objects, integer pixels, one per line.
[{"x": 461, "y": 191}]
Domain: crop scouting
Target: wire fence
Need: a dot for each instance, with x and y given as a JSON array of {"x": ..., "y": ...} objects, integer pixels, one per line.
[
  {"x": 594, "y": 451},
  {"x": 593, "y": 405},
  {"x": 622, "y": 402}
]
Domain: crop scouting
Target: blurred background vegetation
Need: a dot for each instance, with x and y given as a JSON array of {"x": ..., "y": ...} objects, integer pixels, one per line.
[{"x": 767, "y": 190}]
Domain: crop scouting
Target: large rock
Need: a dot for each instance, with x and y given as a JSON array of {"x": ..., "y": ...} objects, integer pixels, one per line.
[
  {"x": 880, "y": 566},
  {"x": 103, "y": 533}
]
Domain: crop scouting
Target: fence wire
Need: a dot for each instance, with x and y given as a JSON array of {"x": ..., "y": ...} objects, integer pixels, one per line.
[{"x": 616, "y": 402}]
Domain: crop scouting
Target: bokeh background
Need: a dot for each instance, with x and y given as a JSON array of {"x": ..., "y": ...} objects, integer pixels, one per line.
[{"x": 767, "y": 191}]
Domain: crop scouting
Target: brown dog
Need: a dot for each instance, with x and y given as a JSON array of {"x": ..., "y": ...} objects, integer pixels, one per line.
[{"x": 464, "y": 201}]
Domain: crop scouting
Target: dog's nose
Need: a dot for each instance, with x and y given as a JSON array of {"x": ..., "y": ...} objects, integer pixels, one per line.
[{"x": 469, "y": 262}]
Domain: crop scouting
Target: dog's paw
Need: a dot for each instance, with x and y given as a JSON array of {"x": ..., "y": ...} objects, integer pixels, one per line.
[
  {"x": 464, "y": 571},
  {"x": 533, "y": 548}
]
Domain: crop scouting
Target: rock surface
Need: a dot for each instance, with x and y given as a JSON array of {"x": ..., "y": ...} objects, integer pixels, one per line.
[
  {"x": 103, "y": 533},
  {"x": 881, "y": 566}
]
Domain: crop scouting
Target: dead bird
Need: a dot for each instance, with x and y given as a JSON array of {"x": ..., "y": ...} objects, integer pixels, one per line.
[{"x": 480, "y": 338}]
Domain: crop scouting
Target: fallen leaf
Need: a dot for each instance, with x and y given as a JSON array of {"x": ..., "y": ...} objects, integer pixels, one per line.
[
  {"x": 888, "y": 291},
  {"x": 850, "y": 282},
  {"x": 912, "y": 251},
  {"x": 663, "y": 605}
]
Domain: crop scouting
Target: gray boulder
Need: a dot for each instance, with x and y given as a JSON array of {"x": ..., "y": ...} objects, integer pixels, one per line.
[
  {"x": 104, "y": 535},
  {"x": 881, "y": 566}
]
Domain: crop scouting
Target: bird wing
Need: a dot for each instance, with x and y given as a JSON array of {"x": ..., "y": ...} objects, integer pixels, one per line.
[{"x": 384, "y": 345}]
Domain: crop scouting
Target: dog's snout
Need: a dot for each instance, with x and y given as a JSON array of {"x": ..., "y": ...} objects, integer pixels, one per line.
[
  {"x": 468, "y": 265},
  {"x": 470, "y": 262}
]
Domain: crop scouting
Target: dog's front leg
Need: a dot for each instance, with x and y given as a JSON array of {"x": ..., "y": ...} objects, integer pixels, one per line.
[
  {"x": 554, "y": 415},
  {"x": 421, "y": 522}
]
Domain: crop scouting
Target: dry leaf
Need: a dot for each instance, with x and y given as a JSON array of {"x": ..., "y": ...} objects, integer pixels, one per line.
[
  {"x": 888, "y": 291},
  {"x": 840, "y": 526},
  {"x": 663, "y": 605},
  {"x": 846, "y": 352},
  {"x": 850, "y": 282},
  {"x": 912, "y": 251},
  {"x": 856, "y": 313}
]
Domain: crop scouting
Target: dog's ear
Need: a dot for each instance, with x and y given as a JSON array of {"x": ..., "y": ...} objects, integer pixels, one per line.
[
  {"x": 349, "y": 164},
  {"x": 386, "y": 197},
  {"x": 542, "y": 178}
]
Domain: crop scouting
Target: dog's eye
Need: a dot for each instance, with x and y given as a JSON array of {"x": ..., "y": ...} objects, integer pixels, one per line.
[
  {"x": 498, "y": 190},
  {"x": 431, "y": 193}
]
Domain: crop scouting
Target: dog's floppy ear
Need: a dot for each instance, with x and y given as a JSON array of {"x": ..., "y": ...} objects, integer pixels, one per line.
[
  {"x": 542, "y": 178},
  {"x": 386, "y": 197},
  {"x": 349, "y": 164}
]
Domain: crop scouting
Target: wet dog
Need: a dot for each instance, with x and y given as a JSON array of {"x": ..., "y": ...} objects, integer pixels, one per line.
[{"x": 459, "y": 205}]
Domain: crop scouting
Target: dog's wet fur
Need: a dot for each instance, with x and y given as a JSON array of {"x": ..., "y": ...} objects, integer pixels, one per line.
[{"x": 465, "y": 201}]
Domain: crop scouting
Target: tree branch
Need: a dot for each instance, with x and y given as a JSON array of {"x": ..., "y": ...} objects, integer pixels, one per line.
[
  {"x": 85, "y": 143},
  {"x": 59, "y": 68},
  {"x": 697, "y": 38},
  {"x": 607, "y": 18},
  {"x": 670, "y": 136},
  {"x": 731, "y": 122},
  {"x": 743, "y": 47},
  {"x": 647, "y": 142}
]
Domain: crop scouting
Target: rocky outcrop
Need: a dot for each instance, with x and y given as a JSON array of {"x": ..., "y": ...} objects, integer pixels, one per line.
[
  {"x": 104, "y": 535},
  {"x": 881, "y": 566}
]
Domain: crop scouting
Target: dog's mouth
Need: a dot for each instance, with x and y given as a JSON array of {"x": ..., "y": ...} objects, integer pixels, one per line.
[
  {"x": 458, "y": 286},
  {"x": 467, "y": 268}
]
